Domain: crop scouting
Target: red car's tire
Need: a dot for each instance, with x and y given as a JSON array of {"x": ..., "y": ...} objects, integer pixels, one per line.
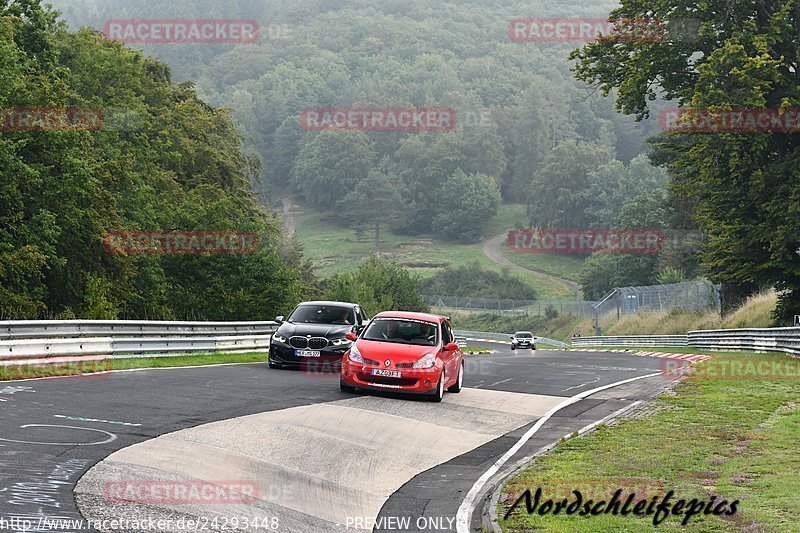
[
  {"x": 439, "y": 394},
  {"x": 345, "y": 387},
  {"x": 458, "y": 385}
]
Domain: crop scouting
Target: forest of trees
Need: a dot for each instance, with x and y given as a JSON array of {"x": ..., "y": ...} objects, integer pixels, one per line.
[
  {"x": 514, "y": 102},
  {"x": 211, "y": 149},
  {"x": 741, "y": 188},
  {"x": 180, "y": 168}
]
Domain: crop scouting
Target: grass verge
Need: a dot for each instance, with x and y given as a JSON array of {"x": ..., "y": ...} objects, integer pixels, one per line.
[
  {"x": 724, "y": 434},
  {"x": 562, "y": 266},
  {"x": 43, "y": 370}
]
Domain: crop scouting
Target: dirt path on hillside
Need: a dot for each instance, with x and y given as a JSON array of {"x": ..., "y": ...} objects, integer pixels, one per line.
[
  {"x": 288, "y": 216},
  {"x": 494, "y": 251}
]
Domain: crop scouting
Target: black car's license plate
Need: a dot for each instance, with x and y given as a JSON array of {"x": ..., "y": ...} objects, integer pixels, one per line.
[
  {"x": 386, "y": 373},
  {"x": 307, "y": 353}
]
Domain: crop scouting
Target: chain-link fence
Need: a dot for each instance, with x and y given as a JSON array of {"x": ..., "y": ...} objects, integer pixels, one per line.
[
  {"x": 691, "y": 296},
  {"x": 699, "y": 295}
]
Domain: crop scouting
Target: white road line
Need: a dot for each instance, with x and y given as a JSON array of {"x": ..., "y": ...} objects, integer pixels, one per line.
[
  {"x": 595, "y": 380},
  {"x": 111, "y": 436},
  {"x": 495, "y": 496},
  {"x": 499, "y": 382},
  {"x": 464, "y": 513}
]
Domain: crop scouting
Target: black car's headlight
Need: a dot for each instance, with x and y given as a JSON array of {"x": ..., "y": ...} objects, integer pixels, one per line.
[
  {"x": 279, "y": 338},
  {"x": 341, "y": 342}
]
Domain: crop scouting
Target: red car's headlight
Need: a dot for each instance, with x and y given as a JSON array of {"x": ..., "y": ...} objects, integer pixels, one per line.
[
  {"x": 355, "y": 356},
  {"x": 427, "y": 361}
]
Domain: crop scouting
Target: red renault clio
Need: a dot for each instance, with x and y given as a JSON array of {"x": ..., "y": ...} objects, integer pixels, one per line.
[{"x": 404, "y": 352}]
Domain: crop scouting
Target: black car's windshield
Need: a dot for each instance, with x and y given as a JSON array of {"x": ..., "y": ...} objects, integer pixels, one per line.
[
  {"x": 323, "y": 314},
  {"x": 402, "y": 331}
]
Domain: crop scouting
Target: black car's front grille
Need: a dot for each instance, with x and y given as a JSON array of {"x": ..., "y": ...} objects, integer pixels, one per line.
[
  {"x": 317, "y": 343},
  {"x": 298, "y": 342},
  {"x": 314, "y": 343}
]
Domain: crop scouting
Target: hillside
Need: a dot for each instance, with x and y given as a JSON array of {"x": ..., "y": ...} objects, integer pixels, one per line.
[{"x": 335, "y": 248}]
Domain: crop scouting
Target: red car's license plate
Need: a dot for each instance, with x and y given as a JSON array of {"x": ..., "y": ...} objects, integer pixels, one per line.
[{"x": 386, "y": 373}]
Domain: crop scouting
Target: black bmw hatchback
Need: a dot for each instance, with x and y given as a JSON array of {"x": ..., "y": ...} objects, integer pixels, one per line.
[{"x": 314, "y": 335}]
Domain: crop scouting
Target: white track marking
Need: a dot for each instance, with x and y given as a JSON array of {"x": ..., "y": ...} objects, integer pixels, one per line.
[
  {"x": 111, "y": 436},
  {"x": 465, "y": 509}
]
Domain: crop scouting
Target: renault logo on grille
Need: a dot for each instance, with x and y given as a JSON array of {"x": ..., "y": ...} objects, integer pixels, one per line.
[{"x": 387, "y": 363}]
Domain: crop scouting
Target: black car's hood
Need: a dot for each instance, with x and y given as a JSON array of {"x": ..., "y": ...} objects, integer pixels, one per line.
[{"x": 329, "y": 331}]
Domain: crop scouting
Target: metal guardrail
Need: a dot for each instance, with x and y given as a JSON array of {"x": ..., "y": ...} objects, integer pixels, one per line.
[
  {"x": 51, "y": 329},
  {"x": 632, "y": 340},
  {"x": 782, "y": 340},
  {"x": 21, "y": 340},
  {"x": 121, "y": 348}
]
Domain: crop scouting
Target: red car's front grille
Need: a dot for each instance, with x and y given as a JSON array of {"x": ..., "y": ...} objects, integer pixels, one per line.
[{"x": 404, "y": 365}]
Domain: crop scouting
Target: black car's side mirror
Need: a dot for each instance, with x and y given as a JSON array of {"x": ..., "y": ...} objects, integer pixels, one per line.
[{"x": 279, "y": 319}]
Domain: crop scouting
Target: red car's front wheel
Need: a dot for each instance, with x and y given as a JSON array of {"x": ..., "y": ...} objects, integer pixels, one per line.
[
  {"x": 456, "y": 387},
  {"x": 439, "y": 394}
]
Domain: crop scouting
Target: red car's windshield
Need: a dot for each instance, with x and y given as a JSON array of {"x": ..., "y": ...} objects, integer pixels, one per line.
[{"x": 402, "y": 331}]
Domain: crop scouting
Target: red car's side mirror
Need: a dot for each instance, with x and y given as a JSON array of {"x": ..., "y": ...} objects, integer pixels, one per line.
[
  {"x": 453, "y": 346},
  {"x": 351, "y": 337}
]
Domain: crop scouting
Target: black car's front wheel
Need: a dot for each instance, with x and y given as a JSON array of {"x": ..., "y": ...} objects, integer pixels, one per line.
[{"x": 274, "y": 365}]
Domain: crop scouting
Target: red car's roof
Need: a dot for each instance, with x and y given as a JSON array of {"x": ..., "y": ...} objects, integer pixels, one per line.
[{"x": 426, "y": 317}]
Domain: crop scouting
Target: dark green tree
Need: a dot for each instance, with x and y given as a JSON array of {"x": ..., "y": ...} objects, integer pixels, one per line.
[{"x": 375, "y": 203}]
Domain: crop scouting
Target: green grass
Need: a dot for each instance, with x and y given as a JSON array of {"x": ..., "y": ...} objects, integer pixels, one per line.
[
  {"x": 333, "y": 248},
  {"x": 474, "y": 350},
  {"x": 559, "y": 328},
  {"x": 733, "y": 438},
  {"x": 42, "y": 370},
  {"x": 508, "y": 217},
  {"x": 562, "y": 266},
  {"x": 755, "y": 312}
]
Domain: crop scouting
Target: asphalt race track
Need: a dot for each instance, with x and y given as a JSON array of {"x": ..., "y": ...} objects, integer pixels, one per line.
[{"x": 322, "y": 460}]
